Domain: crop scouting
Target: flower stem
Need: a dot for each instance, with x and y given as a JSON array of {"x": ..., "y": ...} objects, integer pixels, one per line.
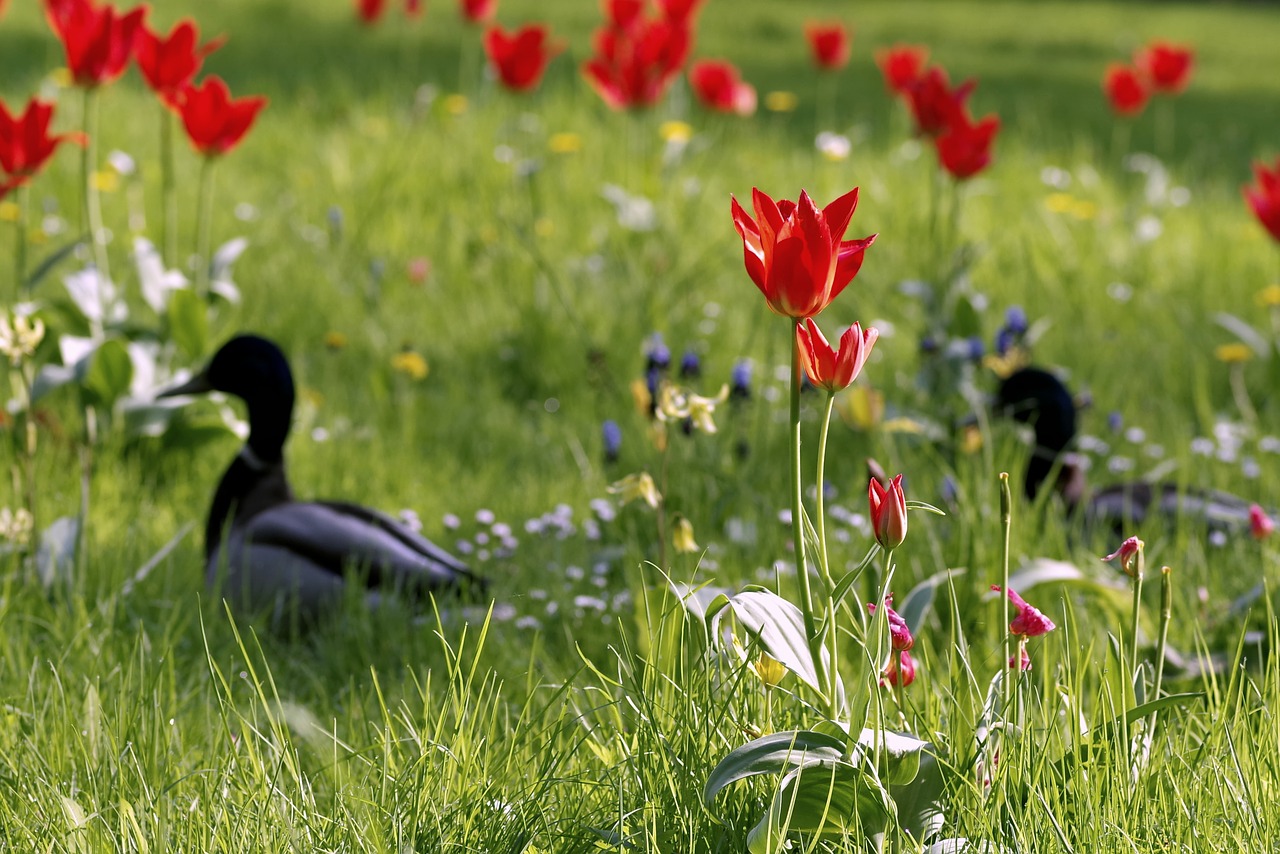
[
  {"x": 1136, "y": 612},
  {"x": 92, "y": 200},
  {"x": 1006, "y": 524},
  {"x": 824, "y": 567},
  {"x": 797, "y": 525},
  {"x": 204, "y": 229},
  {"x": 169, "y": 221}
]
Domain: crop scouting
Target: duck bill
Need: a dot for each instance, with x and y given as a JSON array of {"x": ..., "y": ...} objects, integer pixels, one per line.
[{"x": 199, "y": 384}]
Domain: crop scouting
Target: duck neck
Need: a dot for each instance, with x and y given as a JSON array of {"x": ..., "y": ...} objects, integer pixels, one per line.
[{"x": 270, "y": 414}]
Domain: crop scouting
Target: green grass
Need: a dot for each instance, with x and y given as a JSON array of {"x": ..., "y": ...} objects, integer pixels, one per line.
[{"x": 147, "y": 720}]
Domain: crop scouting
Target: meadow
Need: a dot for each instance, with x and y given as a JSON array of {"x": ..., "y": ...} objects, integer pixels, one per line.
[{"x": 470, "y": 282}]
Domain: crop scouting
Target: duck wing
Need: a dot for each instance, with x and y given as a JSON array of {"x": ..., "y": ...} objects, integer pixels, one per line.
[{"x": 336, "y": 536}]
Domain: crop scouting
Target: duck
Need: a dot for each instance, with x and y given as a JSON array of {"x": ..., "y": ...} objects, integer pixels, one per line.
[
  {"x": 267, "y": 552},
  {"x": 1039, "y": 398}
]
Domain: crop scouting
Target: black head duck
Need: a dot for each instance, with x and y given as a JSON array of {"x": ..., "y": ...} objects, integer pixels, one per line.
[{"x": 267, "y": 551}]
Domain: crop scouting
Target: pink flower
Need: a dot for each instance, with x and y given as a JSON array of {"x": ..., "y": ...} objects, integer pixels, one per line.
[
  {"x": 899, "y": 631},
  {"x": 900, "y": 672},
  {"x": 1024, "y": 659},
  {"x": 1260, "y": 524},
  {"x": 1029, "y": 623},
  {"x": 1129, "y": 549},
  {"x": 888, "y": 512}
]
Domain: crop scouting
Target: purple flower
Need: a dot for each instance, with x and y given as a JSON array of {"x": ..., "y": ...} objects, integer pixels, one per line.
[{"x": 612, "y": 441}]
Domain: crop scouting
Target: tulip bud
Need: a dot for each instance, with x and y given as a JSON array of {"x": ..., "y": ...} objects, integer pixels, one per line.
[{"x": 888, "y": 512}]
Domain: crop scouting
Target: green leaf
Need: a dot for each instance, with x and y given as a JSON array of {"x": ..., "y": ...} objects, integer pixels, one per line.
[
  {"x": 109, "y": 373},
  {"x": 925, "y": 506},
  {"x": 965, "y": 322},
  {"x": 915, "y": 607},
  {"x": 779, "y": 626},
  {"x": 847, "y": 581},
  {"x": 772, "y": 754},
  {"x": 52, "y": 260},
  {"x": 821, "y": 798},
  {"x": 1124, "y": 720},
  {"x": 188, "y": 323}
]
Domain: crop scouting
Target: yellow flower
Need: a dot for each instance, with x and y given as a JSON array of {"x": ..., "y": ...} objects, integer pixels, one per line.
[
  {"x": 9, "y": 212},
  {"x": 640, "y": 394},
  {"x": 335, "y": 340},
  {"x": 1082, "y": 209},
  {"x": 1269, "y": 297},
  {"x": 676, "y": 404},
  {"x": 637, "y": 486},
  {"x": 674, "y": 131},
  {"x": 565, "y": 143},
  {"x": 780, "y": 102},
  {"x": 971, "y": 439},
  {"x": 1004, "y": 366},
  {"x": 455, "y": 105},
  {"x": 106, "y": 181},
  {"x": 682, "y": 536},
  {"x": 20, "y": 338},
  {"x": 1060, "y": 202},
  {"x": 862, "y": 407},
  {"x": 1233, "y": 353},
  {"x": 770, "y": 670},
  {"x": 411, "y": 364}
]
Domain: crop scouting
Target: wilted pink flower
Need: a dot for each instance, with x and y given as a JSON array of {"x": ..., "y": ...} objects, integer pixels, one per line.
[
  {"x": 1129, "y": 549},
  {"x": 1022, "y": 661},
  {"x": 899, "y": 631},
  {"x": 900, "y": 672},
  {"x": 1260, "y": 524},
  {"x": 1029, "y": 623}
]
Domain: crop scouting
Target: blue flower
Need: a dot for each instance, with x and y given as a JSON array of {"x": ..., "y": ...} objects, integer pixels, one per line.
[
  {"x": 612, "y": 440},
  {"x": 1016, "y": 320}
]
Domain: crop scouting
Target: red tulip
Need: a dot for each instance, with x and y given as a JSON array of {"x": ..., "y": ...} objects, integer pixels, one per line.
[
  {"x": 718, "y": 86},
  {"x": 829, "y": 44},
  {"x": 370, "y": 11},
  {"x": 477, "y": 11},
  {"x": 1168, "y": 66},
  {"x": 636, "y": 58},
  {"x": 899, "y": 632},
  {"x": 521, "y": 57},
  {"x": 964, "y": 148},
  {"x": 1029, "y": 622},
  {"x": 1125, "y": 89},
  {"x": 1265, "y": 197},
  {"x": 934, "y": 104},
  {"x": 797, "y": 254},
  {"x": 900, "y": 672},
  {"x": 25, "y": 142},
  {"x": 680, "y": 11},
  {"x": 830, "y": 369},
  {"x": 98, "y": 40},
  {"x": 169, "y": 64},
  {"x": 215, "y": 123},
  {"x": 1129, "y": 552},
  {"x": 1260, "y": 524},
  {"x": 414, "y": 8},
  {"x": 888, "y": 508},
  {"x": 901, "y": 66}
]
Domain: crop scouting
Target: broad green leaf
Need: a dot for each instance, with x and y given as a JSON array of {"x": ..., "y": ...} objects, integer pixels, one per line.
[
  {"x": 50, "y": 378},
  {"x": 772, "y": 754},
  {"x": 110, "y": 372},
  {"x": 1124, "y": 720},
  {"x": 702, "y": 602},
  {"x": 821, "y": 798},
  {"x": 779, "y": 626},
  {"x": 900, "y": 751},
  {"x": 188, "y": 323},
  {"x": 915, "y": 607}
]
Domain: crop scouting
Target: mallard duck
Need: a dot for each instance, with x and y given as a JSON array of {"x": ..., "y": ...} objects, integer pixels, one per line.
[
  {"x": 267, "y": 551},
  {"x": 1037, "y": 397}
]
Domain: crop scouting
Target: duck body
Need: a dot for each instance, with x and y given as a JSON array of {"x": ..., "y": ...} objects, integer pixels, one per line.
[
  {"x": 1036, "y": 397},
  {"x": 266, "y": 551}
]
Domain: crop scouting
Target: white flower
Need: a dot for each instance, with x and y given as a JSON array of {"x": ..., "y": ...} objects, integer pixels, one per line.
[{"x": 20, "y": 337}]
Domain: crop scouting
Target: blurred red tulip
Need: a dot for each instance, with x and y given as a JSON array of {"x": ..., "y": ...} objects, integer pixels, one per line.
[
  {"x": 25, "y": 142},
  {"x": 1261, "y": 525},
  {"x": 680, "y": 11},
  {"x": 901, "y": 66},
  {"x": 636, "y": 58},
  {"x": 900, "y": 672},
  {"x": 520, "y": 58},
  {"x": 1125, "y": 89},
  {"x": 888, "y": 511},
  {"x": 964, "y": 148},
  {"x": 934, "y": 104},
  {"x": 718, "y": 86},
  {"x": 1167, "y": 66},
  {"x": 796, "y": 254},
  {"x": 370, "y": 11},
  {"x": 168, "y": 64},
  {"x": 414, "y": 8},
  {"x": 477, "y": 11},
  {"x": 834, "y": 370},
  {"x": 1265, "y": 197},
  {"x": 215, "y": 123},
  {"x": 829, "y": 44},
  {"x": 98, "y": 40}
]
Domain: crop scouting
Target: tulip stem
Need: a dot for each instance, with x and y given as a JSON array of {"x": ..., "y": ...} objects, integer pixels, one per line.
[
  {"x": 204, "y": 230},
  {"x": 824, "y": 567},
  {"x": 169, "y": 222},
  {"x": 1133, "y": 619},
  {"x": 92, "y": 201},
  {"x": 797, "y": 531},
  {"x": 1006, "y": 524}
]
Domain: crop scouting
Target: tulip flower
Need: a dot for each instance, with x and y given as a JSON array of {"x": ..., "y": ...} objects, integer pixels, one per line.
[
  {"x": 636, "y": 58},
  {"x": 1260, "y": 524},
  {"x": 718, "y": 86},
  {"x": 829, "y": 44},
  {"x": 477, "y": 11},
  {"x": 888, "y": 512},
  {"x": 25, "y": 142},
  {"x": 1126, "y": 90},
  {"x": 1022, "y": 661},
  {"x": 680, "y": 11},
  {"x": 1167, "y": 66},
  {"x": 1129, "y": 550},
  {"x": 900, "y": 672},
  {"x": 796, "y": 254},
  {"x": 899, "y": 631},
  {"x": 934, "y": 104},
  {"x": 1264, "y": 198},
  {"x": 831, "y": 369},
  {"x": 98, "y": 40},
  {"x": 1029, "y": 622},
  {"x": 520, "y": 58},
  {"x": 964, "y": 148},
  {"x": 169, "y": 64},
  {"x": 215, "y": 123},
  {"x": 369, "y": 11},
  {"x": 901, "y": 66}
]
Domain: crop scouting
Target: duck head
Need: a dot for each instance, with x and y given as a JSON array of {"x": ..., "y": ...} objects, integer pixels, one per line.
[
  {"x": 256, "y": 371},
  {"x": 1038, "y": 398}
]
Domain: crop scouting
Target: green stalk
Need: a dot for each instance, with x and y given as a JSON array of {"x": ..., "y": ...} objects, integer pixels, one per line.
[
  {"x": 1166, "y": 613},
  {"x": 797, "y": 523},
  {"x": 204, "y": 229},
  {"x": 92, "y": 200},
  {"x": 1133, "y": 619},
  {"x": 1006, "y": 523},
  {"x": 169, "y": 221},
  {"x": 829, "y": 614}
]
